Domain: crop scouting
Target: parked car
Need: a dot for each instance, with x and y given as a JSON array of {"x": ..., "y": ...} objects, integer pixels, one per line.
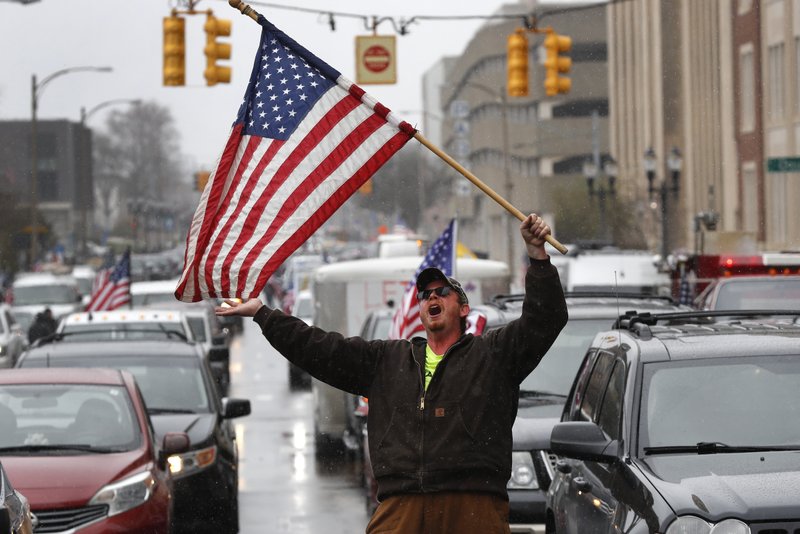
[
  {"x": 180, "y": 394},
  {"x": 15, "y": 510},
  {"x": 81, "y": 447},
  {"x": 680, "y": 423},
  {"x": 13, "y": 338},
  {"x": 751, "y": 293},
  {"x": 150, "y": 292}
]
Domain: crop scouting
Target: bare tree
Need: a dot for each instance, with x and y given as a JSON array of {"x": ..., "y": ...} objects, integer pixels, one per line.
[{"x": 139, "y": 172}]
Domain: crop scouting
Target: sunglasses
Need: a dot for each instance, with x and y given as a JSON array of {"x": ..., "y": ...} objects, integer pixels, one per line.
[{"x": 440, "y": 291}]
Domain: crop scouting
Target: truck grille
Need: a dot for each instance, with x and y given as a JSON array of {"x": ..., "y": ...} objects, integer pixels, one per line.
[{"x": 62, "y": 520}]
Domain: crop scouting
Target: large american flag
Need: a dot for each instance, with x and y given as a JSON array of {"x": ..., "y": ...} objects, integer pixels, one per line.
[
  {"x": 442, "y": 254},
  {"x": 305, "y": 139},
  {"x": 111, "y": 288}
]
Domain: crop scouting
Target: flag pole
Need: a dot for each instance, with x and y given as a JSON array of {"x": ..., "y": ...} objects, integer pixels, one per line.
[
  {"x": 483, "y": 187},
  {"x": 250, "y": 12},
  {"x": 244, "y": 8}
]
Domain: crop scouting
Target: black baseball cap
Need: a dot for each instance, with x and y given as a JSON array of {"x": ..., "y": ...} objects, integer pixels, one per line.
[{"x": 432, "y": 273}]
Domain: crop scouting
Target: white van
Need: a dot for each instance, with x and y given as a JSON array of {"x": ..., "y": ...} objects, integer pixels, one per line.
[
  {"x": 33, "y": 292},
  {"x": 347, "y": 292}
]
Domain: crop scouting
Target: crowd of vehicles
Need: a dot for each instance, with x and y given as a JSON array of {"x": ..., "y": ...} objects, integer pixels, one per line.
[
  {"x": 157, "y": 419},
  {"x": 594, "y": 446}
]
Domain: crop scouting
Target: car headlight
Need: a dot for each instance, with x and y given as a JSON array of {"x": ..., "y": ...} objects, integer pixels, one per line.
[
  {"x": 127, "y": 493},
  {"x": 523, "y": 474},
  {"x": 689, "y": 524},
  {"x": 192, "y": 461}
]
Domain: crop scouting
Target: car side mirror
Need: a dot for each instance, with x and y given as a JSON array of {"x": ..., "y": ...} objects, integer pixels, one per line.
[
  {"x": 173, "y": 443},
  {"x": 232, "y": 408},
  {"x": 583, "y": 440}
]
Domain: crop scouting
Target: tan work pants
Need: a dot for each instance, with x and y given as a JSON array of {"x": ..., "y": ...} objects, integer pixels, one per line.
[{"x": 441, "y": 513}]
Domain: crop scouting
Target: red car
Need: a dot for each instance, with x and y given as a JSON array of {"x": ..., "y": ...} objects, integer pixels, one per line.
[{"x": 78, "y": 443}]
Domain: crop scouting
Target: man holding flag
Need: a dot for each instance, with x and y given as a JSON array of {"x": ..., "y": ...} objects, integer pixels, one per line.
[{"x": 441, "y": 409}]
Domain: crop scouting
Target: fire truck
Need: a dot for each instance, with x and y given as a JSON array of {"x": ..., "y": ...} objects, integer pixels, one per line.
[{"x": 692, "y": 274}]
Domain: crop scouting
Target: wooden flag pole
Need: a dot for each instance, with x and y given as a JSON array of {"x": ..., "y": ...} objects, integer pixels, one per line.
[
  {"x": 250, "y": 12},
  {"x": 485, "y": 188},
  {"x": 244, "y": 8}
]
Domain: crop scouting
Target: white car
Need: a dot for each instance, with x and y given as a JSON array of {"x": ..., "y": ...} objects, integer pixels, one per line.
[
  {"x": 12, "y": 338},
  {"x": 148, "y": 293}
]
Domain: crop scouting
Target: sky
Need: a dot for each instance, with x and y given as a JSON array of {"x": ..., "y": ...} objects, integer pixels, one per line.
[{"x": 44, "y": 37}]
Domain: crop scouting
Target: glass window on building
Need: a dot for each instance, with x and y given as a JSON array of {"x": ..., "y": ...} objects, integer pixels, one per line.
[
  {"x": 775, "y": 55},
  {"x": 747, "y": 97}
]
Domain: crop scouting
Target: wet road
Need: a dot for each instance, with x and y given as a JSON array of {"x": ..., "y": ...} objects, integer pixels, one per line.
[{"x": 282, "y": 487}]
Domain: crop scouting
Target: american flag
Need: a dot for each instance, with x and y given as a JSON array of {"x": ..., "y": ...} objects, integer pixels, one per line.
[
  {"x": 305, "y": 139},
  {"x": 111, "y": 287},
  {"x": 442, "y": 254}
]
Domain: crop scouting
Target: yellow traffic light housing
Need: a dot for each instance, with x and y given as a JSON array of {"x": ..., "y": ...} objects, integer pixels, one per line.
[
  {"x": 215, "y": 50},
  {"x": 517, "y": 63},
  {"x": 556, "y": 63},
  {"x": 174, "y": 51}
]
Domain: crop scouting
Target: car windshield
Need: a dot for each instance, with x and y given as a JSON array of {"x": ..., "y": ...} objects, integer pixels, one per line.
[
  {"x": 44, "y": 294},
  {"x": 116, "y": 331},
  {"x": 556, "y": 371},
  {"x": 198, "y": 327},
  {"x": 167, "y": 383},
  {"x": 735, "y": 401},
  {"x": 84, "y": 285},
  {"x": 777, "y": 293},
  {"x": 69, "y": 418}
]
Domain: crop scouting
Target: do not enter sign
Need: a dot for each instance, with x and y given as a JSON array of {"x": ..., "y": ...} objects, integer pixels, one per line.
[{"x": 376, "y": 60}]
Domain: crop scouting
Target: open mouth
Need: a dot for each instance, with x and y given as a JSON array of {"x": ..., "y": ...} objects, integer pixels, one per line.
[{"x": 434, "y": 310}]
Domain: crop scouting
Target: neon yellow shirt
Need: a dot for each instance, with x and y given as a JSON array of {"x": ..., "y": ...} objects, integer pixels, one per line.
[{"x": 431, "y": 362}]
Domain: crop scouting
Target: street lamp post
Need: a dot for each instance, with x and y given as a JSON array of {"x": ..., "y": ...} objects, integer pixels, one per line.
[
  {"x": 85, "y": 115},
  {"x": 37, "y": 88},
  {"x": 674, "y": 163},
  {"x": 591, "y": 171},
  {"x": 500, "y": 97}
]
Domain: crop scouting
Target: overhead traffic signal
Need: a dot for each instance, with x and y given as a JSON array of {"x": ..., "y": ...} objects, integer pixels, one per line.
[
  {"x": 174, "y": 51},
  {"x": 215, "y": 50},
  {"x": 557, "y": 63},
  {"x": 517, "y": 63}
]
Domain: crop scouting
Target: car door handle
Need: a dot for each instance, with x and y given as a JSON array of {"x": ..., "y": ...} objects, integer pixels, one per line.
[
  {"x": 563, "y": 467},
  {"x": 582, "y": 485}
]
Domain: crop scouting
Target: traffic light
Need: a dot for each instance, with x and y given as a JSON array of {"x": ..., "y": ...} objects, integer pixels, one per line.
[
  {"x": 201, "y": 178},
  {"x": 556, "y": 64},
  {"x": 174, "y": 51},
  {"x": 214, "y": 50},
  {"x": 517, "y": 63}
]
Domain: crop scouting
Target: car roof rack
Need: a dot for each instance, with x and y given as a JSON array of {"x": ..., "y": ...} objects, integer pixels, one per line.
[
  {"x": 501, "y": 300},
  {"x": 640, "y": 323}
]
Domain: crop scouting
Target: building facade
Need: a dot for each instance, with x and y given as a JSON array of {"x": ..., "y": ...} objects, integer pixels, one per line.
[
  {"x": 65, "y": 189},
  {"x": 780, "y": 75},
  {"x": 524, "y": 148}
]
